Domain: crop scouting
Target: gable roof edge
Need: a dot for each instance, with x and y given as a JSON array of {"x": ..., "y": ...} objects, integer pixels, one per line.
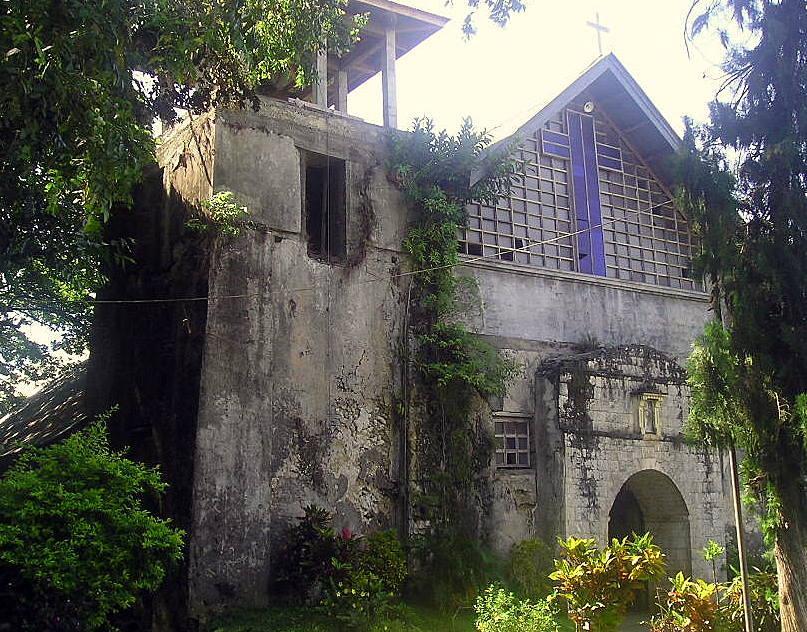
[
  {"x": 648, "y": 107},
  {"x": 589, "y": 75}
]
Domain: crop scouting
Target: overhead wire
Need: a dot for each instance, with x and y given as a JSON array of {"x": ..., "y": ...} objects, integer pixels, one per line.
[
  {"x": 328, "y": 255},
  {"x": 389, "y": 277}
]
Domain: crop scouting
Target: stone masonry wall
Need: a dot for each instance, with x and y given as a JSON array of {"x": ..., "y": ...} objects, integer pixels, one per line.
[
  {"x": 604, "y": 448},
  {"x": 536, "y": 315}
]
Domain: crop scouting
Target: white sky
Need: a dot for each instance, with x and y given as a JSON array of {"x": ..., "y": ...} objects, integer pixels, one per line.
[{"x": 503, "y": 75}]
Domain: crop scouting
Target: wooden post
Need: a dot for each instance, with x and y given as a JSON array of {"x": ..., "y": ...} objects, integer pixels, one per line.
[
  {"x": 341, "y": 91},
  {"x": 388, "y": 88},
  {"x": 321, "y": 84},
  {"x": 738, "y": 521}
]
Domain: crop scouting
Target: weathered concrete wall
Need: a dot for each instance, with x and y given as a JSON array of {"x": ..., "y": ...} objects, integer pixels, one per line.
[
  {"x": 301, "y": 372},
  {"x": 523, "y": 303},
  {"x": 524, "y": 502}
]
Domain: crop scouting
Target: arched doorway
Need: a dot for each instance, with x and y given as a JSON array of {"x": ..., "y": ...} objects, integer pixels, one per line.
[{"x": 650, "y": 501}]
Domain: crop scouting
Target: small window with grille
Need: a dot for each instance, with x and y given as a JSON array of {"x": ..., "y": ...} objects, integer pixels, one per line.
[{"x": 512, "y": 442}]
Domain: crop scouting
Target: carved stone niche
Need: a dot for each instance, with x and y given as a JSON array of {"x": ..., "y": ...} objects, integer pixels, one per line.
[{"x": 649, "y": 419}]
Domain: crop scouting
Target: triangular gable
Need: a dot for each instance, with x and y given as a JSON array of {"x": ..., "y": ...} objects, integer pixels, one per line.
[
  {"x": 590, "y": 192},
  {"x": 629, "y": 108}
]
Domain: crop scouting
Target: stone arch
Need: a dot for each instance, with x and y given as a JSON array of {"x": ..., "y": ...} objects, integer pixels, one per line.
[{"x": 650, "y": 501}]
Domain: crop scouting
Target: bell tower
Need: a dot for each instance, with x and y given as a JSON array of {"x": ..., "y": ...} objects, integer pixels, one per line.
[{"x": 392, "y": 30}]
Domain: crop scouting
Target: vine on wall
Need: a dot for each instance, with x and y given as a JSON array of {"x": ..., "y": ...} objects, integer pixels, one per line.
[
  {"x": 222, "y": 214},
  {"x": 440, "y": 173}
]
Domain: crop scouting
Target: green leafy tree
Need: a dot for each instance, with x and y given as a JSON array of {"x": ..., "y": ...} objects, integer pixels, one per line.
[
  {"x": 77, "y": 541},
  {"x": 749, "y": 371},
  {"x": 81, "y": 83},
  {"x": 500, "y": 12}
]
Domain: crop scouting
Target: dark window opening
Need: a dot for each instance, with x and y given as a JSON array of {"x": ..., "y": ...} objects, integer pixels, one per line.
[{"x": 325, "y": 206}]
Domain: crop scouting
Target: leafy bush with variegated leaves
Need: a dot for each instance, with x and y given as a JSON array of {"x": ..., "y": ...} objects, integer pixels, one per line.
[
  {"x": 598, "y": 585},
  {"x": 691, "y": 605}
]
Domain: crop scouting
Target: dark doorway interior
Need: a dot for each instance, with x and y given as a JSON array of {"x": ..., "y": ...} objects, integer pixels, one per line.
[
  {"x": 625, "y": 519},
  {"x": 626, "y": 516},
  {"x": 650, "y": 501}
]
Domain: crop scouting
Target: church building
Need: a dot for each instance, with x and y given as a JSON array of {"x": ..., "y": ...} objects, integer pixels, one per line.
[{"x": 283, "y": 387}]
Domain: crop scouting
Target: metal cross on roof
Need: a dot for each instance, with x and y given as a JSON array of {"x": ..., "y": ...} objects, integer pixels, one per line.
[{"x": 600, "y": 29}]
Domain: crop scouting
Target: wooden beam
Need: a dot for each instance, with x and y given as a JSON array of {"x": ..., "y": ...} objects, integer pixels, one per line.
[
  {"x": 341, "y": 90},
  {"x": 321, "y": 84},
  {"x": 362, "y": 67},
  {"x": 359, "y": 56},
  {"x": 396, "y": 9},
  {"x": 388, "y": 81},
  {"x": 374, "y": 29},
  {"x": 633, "y": 128}
]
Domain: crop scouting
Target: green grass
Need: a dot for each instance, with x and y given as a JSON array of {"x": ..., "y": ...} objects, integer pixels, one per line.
[
  {"x": 414, "y": 619},
  {"x": 308, "y": 620}
]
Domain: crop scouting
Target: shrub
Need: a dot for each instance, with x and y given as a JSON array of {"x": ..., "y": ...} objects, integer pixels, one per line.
[
  {"x": 500, "y": 611},
  {"x": 531, "y": 562},
  {"x": 222, "y": 214},
  {"x": 384, "y": 556},
  {"x": 452, "y": 568},
  {"x": 599, "y": 585},
  {"x": 711, "y": 552},
  {"x": 353, "y": 579},
  {"x": 690, "y": 606},
  {"x": 365, "y": 579},
  {"x": 764, "y": 589},
  {"x": 357, "y": 597},
  {"x": 77, "y": 543},
  {"x": 698, "y": 606},
  {"x": 305, "y": 561}
]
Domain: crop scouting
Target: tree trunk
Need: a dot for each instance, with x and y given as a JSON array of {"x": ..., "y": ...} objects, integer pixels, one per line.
[{"x": 791, "y": 563}]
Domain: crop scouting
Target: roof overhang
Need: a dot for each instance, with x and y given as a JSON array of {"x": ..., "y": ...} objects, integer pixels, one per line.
[
  {"x": 51, "y": 414},
  {"x": 613, "y": 89},
  {"x": 366, "y": 57},
  {"x": 412, "y": 26}
]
